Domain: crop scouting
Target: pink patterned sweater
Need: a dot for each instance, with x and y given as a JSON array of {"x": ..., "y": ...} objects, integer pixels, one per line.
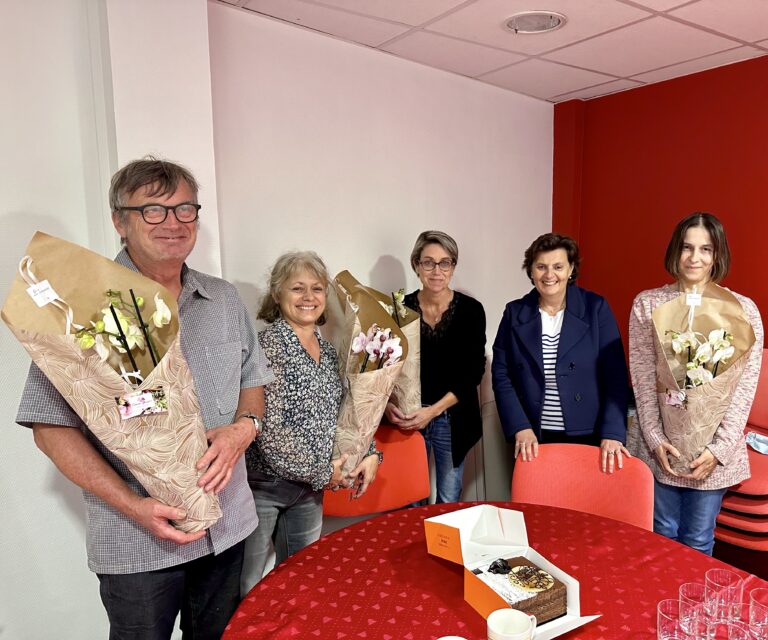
[{"x": 728, "y": 444}]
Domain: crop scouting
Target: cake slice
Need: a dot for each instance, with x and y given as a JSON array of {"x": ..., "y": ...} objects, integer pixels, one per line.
[{"x": 526, "y": 587}]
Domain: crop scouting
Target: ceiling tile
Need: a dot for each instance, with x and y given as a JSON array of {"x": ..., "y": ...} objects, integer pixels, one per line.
[
  {"x": 543, "y": 79},
  {"x": 641, "y": 47},
  {"x": 661, "y": 5},
  {"x": 405, "y": 11},
  {"x": 483, "y": 21},
  {"x": 599, "y": 90},
  {"x": 452, "y": 55},
  {"x": 745, "y": 19},
  {"x": 338, "y": 23},
  {"x": 700, "y": 64}
]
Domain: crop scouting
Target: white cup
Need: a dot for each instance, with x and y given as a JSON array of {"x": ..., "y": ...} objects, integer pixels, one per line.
[
  {"x": 451, "y": 638},
  {"x": 510, "y": 624}
]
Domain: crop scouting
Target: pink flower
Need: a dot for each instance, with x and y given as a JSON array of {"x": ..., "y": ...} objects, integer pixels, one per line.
[
  {"x": 359, "y": 343},
  {"x": 391, "y": 350}
]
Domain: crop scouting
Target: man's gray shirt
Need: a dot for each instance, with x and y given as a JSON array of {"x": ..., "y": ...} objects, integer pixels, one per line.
[{"x": 224, "y": 356}]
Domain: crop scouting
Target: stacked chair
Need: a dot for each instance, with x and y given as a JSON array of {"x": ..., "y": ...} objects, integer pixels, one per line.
[
  {"x": 743, "y": 520},
  {"x": 402, "y": 478}
]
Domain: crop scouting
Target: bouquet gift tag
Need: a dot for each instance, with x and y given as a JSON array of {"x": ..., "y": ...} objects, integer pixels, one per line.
[
  {"x": 42, "y": 293},
  {"x": 142, "y": 403},
  {"x": 693, "y": 299}
]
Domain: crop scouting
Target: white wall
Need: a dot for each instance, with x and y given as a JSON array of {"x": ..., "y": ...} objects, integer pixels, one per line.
[
  {"x": 331, "y": 146},
  {"x": 162, "y": 97},
  {"x": 318, "y": 144},
  {"x": 51, "y": 164}
]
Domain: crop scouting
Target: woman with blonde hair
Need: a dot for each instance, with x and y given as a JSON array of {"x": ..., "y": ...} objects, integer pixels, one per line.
[{"x": 290, "y": 464}]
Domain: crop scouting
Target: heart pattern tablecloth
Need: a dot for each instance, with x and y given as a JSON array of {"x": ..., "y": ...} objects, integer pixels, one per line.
[{"x": 375, "y": 580}]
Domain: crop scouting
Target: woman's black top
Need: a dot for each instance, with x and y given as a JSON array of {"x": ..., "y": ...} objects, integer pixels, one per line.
[{"x": 453, "y": 359}]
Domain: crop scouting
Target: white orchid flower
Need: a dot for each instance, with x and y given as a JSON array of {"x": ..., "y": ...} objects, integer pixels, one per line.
[
  {"x": 162, "y": 314},
  {"x": 399, "y": 297},
  {"x": 703, "y": 353},
  {"x": 723, "y": 355},
  {"x": 102, "y": 347},
  {"x": 135, "y": 337},
  {"x": 359, "y": 343},
  {"x": 109, "y": 321},
  {"x": 699, "y": 376},
  {"x": 681, "y": 341}
]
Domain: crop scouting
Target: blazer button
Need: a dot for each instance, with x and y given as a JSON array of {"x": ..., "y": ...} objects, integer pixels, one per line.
[
  {"x": 578, "y": 397},
  {"x": 572, "y": 366}
]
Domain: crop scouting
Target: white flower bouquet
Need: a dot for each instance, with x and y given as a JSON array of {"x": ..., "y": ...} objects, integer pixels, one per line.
[
  {"x": 125, "y": 377},
  {"x": 373, "y": 352},
  {"x": 702, "y": 341}
]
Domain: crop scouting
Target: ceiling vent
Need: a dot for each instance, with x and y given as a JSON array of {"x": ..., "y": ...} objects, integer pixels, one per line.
[{"x": 530, "y": 22}]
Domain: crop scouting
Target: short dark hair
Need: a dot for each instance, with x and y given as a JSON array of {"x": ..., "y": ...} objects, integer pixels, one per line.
[
  {"x": 434, "y": 237},
  {"x": 551, "y": 242},
  {"x": 162, "y": 175},
  {"x": 721, "y": 253}
]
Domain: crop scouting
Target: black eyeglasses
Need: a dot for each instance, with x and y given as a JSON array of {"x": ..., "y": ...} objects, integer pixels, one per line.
[
  {"x": 429, "y": 265},
  {"x": 157, "y": 213}
]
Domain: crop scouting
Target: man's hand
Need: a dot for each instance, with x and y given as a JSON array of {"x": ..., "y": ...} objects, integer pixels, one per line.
[
  {"x": 227, "y": 444},
  {"x": 154, "y": 516}
]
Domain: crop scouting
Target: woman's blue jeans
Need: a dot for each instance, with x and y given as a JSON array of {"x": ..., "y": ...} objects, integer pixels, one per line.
[
  {"x": 290, "y": 518},
  {"x": 437, "y": 437},
  {"x": 687, "y": 515}
]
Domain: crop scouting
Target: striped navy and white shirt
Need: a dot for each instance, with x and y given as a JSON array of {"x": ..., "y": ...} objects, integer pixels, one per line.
[{"x": 552, "y": 411}]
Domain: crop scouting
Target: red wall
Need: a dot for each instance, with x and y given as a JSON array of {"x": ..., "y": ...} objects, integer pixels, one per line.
[{"x": 629, "y": 166}]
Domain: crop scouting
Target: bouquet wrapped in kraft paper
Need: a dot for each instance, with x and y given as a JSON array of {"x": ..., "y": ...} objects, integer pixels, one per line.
[
  {"x": 108, "y": 339},
  {"x": 374, "y": 354},
  {"x": 702, "y": 344}
]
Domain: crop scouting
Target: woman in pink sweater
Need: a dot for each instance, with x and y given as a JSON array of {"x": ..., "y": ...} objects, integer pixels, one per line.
[{"x": 686, "y": 504}]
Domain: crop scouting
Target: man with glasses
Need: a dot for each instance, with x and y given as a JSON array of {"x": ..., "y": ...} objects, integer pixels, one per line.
[{"x": 148, "y": 570}]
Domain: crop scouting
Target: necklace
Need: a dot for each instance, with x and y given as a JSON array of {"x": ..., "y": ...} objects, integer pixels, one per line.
[
  {"x": 550, "y": 311},
  {"x": 433, "y": 313}
]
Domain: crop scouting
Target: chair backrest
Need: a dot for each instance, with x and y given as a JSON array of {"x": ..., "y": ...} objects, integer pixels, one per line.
[
  {"x": 402, "y": 478},
  {"x": 569, "y": 476},
  {"x": 758, "y": 416}
]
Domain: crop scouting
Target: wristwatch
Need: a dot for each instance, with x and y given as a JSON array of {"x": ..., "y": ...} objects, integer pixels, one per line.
[{"x": 257, "y": 423}]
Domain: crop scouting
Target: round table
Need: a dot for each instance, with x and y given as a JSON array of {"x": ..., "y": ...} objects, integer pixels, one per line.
[{"x": 375, "y": 579}]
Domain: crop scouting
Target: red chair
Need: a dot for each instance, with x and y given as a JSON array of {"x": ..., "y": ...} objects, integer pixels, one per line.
[
  {"x": 569, "y": 476},
  {"x": 402, "y": 478},
  {"x": 743, "y": 520}
]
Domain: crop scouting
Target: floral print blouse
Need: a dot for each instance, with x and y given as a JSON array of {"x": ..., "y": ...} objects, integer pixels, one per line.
[{"x": 302, "y": 406}]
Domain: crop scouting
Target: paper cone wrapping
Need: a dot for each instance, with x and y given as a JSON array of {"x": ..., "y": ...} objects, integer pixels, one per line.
[
  {"x": 365, "y": 394},
  {"x": 691, "y": 427},
  {"x": 160, "y": 450}
]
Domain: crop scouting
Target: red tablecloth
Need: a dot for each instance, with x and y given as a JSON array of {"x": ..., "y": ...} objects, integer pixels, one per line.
[{"x": 375, "y": 580}]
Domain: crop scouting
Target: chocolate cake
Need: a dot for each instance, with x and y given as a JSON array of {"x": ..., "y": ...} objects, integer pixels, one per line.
[{"x": 526, "y": 587}]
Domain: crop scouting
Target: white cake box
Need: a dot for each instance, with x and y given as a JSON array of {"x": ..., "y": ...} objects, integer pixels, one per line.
[{"x": 476, "y": 536}]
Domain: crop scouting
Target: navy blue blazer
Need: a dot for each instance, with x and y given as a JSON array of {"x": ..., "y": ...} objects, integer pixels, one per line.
[{"x": 591, "y": 370}]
